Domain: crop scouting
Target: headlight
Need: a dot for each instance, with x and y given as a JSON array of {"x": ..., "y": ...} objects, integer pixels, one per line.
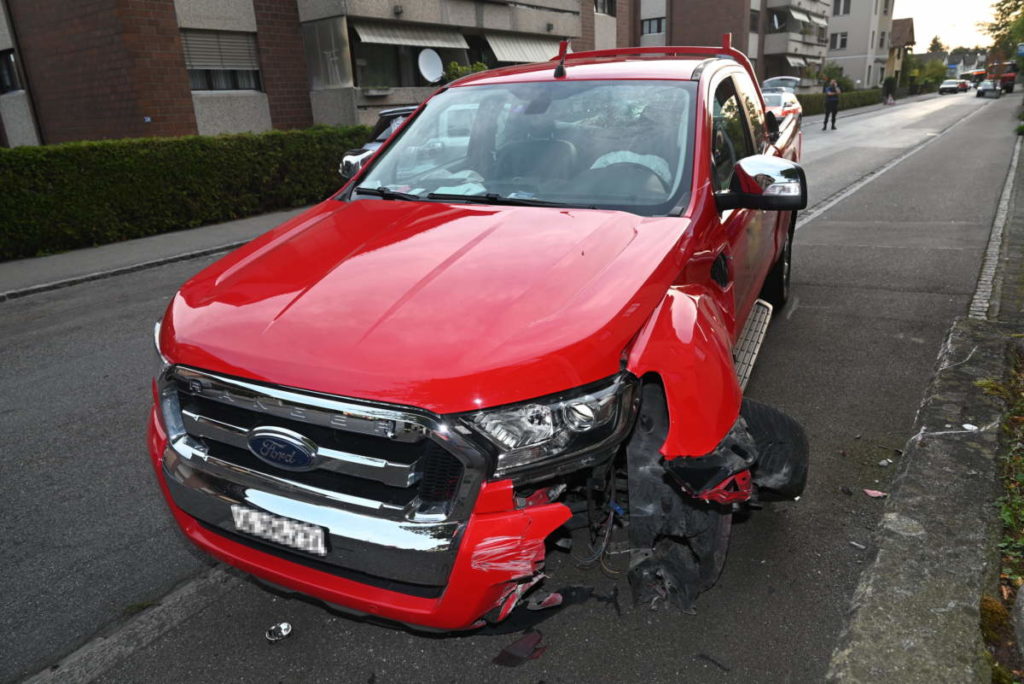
[
  {"x": 170, "y": 410},
  {"x": 557, "y": 428}
]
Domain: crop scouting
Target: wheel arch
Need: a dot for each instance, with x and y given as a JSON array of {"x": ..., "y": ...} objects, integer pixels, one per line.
[{"x": 687, "y": 346}]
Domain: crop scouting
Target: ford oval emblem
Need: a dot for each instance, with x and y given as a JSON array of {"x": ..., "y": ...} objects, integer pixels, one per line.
[{"x": 282, "y": 448}]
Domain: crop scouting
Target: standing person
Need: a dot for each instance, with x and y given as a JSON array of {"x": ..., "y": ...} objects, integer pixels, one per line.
[{"x": 832, "y": 93}]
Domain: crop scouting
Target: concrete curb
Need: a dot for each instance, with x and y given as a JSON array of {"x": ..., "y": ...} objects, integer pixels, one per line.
[
  {"x": 100, "y": 275},
  {"x": 915, "y": 612}
]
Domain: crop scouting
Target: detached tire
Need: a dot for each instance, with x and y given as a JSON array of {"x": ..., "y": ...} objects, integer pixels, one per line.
[{"x": 775, "y": 290}]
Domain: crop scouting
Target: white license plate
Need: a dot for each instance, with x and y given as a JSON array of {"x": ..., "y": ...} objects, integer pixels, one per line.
[{"x": 297, "y": 535}]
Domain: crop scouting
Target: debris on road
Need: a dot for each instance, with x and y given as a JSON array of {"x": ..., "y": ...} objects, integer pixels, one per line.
[
  {"x": 540, "y": 600},
  {"x": 518, "y": 652},
  {"x": 875, "y": 494},
  {"x": 279, "y": 631},
  {"x": 846, "y": 490},
  {"x": 885, "y": 463},
  {"x": 713, "y": 661},
  {"x": 858, "y": 545},
  {"x": 970, "y": 427}
]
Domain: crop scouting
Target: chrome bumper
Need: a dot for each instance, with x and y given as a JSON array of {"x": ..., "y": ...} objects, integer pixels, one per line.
[{"x": 397, "y": 551}]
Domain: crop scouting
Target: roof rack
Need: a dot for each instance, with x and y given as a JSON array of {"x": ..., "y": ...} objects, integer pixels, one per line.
[{"x": 725, "y": 51}]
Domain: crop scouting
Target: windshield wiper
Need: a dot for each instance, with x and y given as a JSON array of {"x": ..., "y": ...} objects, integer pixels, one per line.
[
  {"x": 387, "y": 193},
  {"x": 495, "y": 198}
]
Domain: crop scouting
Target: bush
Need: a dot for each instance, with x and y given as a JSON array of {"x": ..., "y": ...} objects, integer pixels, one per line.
[
  {"x": 81, "y": 194},
  {"x": 814, "y": 103}
]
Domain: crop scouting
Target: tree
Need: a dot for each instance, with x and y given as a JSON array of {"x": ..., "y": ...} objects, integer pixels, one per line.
[
  {"x": 936, "y": 46},
  {"x": 1007, "y": 25}
]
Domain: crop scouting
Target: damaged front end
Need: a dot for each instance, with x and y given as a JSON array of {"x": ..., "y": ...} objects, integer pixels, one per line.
[{"x": 680, "y": 513}]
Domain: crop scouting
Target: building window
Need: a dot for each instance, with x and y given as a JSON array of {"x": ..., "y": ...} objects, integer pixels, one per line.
[
  {"x": 881, "y": 40},
  {"x": 840, "y": 7},
  {"x": 648, "y": 26},
  {"x": 221, "y": 60},
  {"x": 605, "y": 7},
  {"x": 885, "y": 6},
  {"x": 8, "y": 72},
  {"x": 777, "y": 21},
  {"x": 327, "y": 59},
  {"x": 837, "y": 41},
  {"x": 755, "y": 21}
]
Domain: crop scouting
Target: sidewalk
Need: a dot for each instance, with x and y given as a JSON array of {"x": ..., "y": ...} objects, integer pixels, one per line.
[
  {"x": 916, "y": 613},
  {"x": 814, "y": 119},
  {"x": 27, "y": 276}
]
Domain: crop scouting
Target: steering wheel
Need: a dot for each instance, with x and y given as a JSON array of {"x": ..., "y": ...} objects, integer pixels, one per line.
[{"x": 637, "y": 165}]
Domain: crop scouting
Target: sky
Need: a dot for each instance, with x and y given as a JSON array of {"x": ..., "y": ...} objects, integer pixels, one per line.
[{"x": 953, "y": 21}]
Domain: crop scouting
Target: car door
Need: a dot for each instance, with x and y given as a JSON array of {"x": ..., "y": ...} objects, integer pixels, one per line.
[
  {"x": 773, "y": 228},
  {"x": 740, "y": 233}
]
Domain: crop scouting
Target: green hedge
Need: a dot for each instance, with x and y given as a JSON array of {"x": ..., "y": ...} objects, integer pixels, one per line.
[
  {"x": 60, "y": 197},
  {"x": 814, "y": 103}
]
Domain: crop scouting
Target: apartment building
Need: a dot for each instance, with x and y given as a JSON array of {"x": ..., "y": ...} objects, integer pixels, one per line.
[
  {"x": 860, "y": 38},
  {"x": 781, "y": 37},
  {"x": 94, "y": 69}
]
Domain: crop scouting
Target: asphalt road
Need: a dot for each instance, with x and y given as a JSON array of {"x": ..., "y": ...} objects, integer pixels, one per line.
[{"x": 877, "y": 280}]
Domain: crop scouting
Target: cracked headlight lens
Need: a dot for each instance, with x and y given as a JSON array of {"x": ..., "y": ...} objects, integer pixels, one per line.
[{"x": 557, "y": 427}]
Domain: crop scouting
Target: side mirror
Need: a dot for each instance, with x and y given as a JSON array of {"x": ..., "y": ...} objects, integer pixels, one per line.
[
  {"x": 767, "y": 183},
  {"x": 351, "y": 162},
  {"x": 772, "y": 124}
]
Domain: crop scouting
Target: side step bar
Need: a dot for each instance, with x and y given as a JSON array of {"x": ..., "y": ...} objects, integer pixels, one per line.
[{"x": 744, "y": 354}]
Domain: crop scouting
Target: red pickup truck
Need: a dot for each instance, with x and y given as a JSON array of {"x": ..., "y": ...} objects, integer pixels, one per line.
[{"x": 533, "y": 310}]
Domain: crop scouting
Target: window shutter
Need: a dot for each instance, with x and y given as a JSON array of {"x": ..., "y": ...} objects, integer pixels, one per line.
[{"x": 220, "y": 50}]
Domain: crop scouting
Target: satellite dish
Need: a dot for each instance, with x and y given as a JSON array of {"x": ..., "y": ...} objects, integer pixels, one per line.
[{"x": 430, "y": 65}]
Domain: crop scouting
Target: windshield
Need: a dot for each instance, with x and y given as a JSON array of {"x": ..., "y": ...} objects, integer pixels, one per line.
[
  {"x": 773, "y": 100},
  {"x": 609, "y": 144}
]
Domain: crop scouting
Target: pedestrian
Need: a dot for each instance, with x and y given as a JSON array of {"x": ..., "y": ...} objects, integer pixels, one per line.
[{"x": 832, "y": 93}]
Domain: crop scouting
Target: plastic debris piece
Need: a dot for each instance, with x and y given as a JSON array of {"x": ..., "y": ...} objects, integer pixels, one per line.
[
  {"x": 518, "y": 652},
  {"x": 565, "y": 543},
  {"x": 540, "y": 600},
  {"x": 846, "y": 490},
  {"x": 279, "y": 631},
  {"x": 875, "y": 494},
  {"x": 970, "y": 427},
  {"x": 857, "y": 545},
  {"x": 619, "y": 511},
  {"x": 856, "y": 436},
  {"x": 885, "y": 463}
]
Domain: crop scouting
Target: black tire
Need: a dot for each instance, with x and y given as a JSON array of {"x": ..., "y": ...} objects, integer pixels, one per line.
[
  {"x": 775, "y": 290},
  {"x": 783, "y": 454}
]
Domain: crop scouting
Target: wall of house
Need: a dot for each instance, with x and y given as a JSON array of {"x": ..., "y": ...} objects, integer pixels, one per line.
[
  {"x": 231, "y": 111},
  {"x": 702, "y": 22},
  {"x": 216, "y": 15},
  {"x": 283, "y": 63},
  {"x": 99, "y": 68},
  {"x": 16, "y": 119}
]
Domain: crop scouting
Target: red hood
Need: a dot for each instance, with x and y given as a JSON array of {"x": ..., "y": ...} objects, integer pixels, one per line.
[{"x": 446, "y": 307}]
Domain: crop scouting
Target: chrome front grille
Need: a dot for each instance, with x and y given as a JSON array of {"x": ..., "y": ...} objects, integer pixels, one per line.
[{"x": 391, "y": 462}]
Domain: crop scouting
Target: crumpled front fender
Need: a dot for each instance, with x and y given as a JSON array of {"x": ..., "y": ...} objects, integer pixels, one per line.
[{"x": 687, "y": 343}]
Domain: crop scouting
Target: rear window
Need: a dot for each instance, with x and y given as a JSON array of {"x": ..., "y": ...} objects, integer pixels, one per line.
[{"x": 773, "y": 100}]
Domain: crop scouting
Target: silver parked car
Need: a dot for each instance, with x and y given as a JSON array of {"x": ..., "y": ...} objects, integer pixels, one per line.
[{"x": 989, "y": 89}]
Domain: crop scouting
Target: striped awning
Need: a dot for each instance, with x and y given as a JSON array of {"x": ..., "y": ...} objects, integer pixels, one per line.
[
  {"x": 416, "y": 35},
  {"x": 798, "y": 15},
  {"x": 521, "y": 49},
  {"x": 796, "y": 61},
  {"x": 820, "y": 21}
]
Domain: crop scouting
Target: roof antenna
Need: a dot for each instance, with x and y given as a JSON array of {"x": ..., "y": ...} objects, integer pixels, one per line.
[{"x": 563, "y": 47}]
